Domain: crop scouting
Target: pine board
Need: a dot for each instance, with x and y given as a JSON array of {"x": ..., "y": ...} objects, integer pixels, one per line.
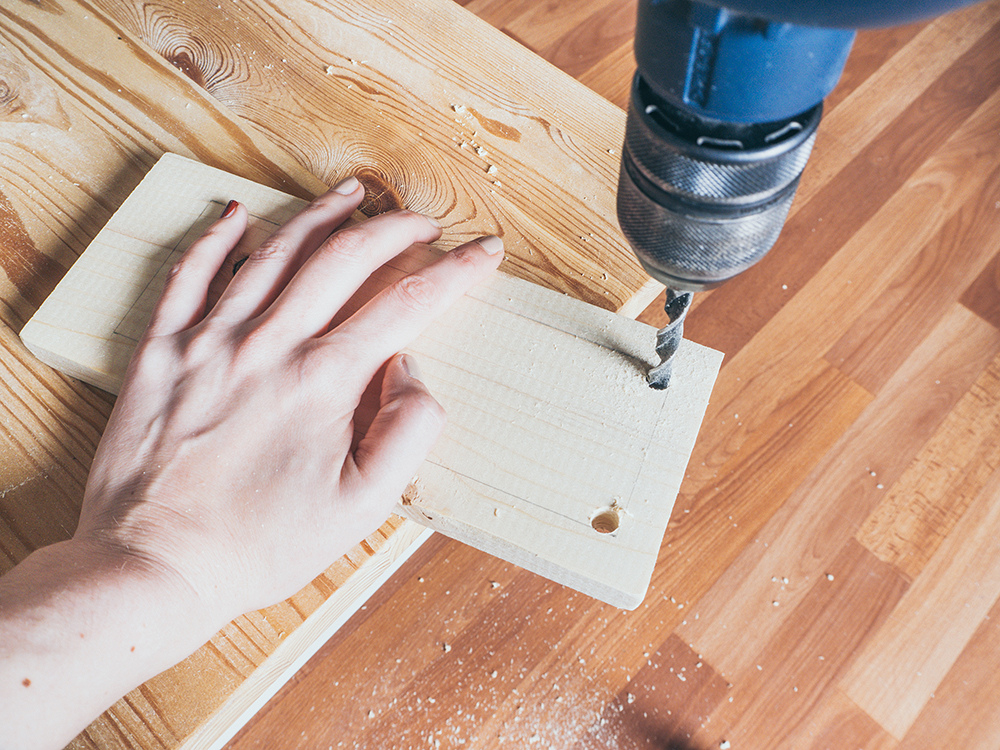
[
  {"x": 418, "y": 100},
  {"x": 551, "y": 424}
]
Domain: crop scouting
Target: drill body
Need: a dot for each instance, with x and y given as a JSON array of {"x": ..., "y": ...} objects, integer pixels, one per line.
[{"x": 722, "y": 118}]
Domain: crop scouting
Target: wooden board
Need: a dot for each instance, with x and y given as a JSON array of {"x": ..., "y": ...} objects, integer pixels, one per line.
[
  {"x": 419, "y": 100},
  {"x": 557, "y": 456}
]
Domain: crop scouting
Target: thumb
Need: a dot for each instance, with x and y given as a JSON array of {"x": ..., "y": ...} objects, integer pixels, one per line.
[{"x": 405, "y": 428}]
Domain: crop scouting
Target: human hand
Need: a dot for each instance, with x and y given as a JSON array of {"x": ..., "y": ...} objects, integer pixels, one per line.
[
  {"x": 252, "y": 444},
  {"x": 236, "y": 463}
]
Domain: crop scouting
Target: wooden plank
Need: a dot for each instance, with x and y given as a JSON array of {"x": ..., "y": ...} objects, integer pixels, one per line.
[
  {"x": 612, "y": 78},
  {"x": 579, "y": 49},
  {"x": 419, "y": 100},
  {"x": 961, "y": 714},
  {"x": 922, "y": 66},
  {"x": 983, "y": 295},
  {"x": 836, "y": 723},
  {"x": 885, "y": 335},
  {"x": 553, "y": 440},
  {"x": 84, "y": 118},
  {"x": 669, "y": 699},
  {"x": 845, "y": 610}
]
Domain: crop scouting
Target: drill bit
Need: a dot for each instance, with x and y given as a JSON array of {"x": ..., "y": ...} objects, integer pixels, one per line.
[{"x": 669, "y": 338}]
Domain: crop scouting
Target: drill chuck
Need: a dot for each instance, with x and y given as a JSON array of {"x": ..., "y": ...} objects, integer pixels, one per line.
[{"x": 701, "y": 200}]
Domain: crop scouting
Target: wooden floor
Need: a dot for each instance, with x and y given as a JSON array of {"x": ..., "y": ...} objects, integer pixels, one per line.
[{"x": 831, "y": 574}]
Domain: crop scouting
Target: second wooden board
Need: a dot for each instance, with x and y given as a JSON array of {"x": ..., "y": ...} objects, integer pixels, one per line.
[{"x": 557, "y": 456}]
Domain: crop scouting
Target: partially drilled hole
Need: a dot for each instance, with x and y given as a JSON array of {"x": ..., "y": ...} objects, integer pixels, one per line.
[{"x": 605, "y": 520}]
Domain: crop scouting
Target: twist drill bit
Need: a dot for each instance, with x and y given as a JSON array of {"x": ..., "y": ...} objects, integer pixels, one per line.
[{"x": 669, "y": 338}]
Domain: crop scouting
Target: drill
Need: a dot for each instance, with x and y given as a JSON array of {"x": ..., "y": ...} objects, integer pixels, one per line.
[{"x": 722, "y": 117}]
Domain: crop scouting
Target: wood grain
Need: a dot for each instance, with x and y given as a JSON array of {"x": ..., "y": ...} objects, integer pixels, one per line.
[
  {"x": 921, "y": 643},
  {"x": 840, "y": 361},
  {"x": 951, "y": 719},
  {"x": 438, "y": 115}
]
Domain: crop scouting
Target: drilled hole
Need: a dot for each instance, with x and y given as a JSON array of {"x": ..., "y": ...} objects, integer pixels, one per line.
[{"x": 605, "y": 521}]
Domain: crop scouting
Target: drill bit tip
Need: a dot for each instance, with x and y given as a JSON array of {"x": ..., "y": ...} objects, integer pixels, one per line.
[{"x": 669, "y": 338}]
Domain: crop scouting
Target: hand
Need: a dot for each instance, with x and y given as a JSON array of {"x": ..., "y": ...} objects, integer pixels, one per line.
[
  {"x": 239, "y": 461},
  {"x": 231, "y": 459}
]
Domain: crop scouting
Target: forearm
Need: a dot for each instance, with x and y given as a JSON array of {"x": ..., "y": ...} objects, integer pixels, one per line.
[{"x": 79, "y": 628}]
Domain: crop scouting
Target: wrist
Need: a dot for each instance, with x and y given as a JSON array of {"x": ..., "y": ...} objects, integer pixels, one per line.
[
  {"x": 80, "y": 626},
  {"x": 148, "y": 581},
  {"x": 137, "y": 534}
]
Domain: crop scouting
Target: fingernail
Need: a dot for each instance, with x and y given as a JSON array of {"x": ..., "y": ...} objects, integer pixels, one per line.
[
  {"x": 433, "y": 222},
  {"x": 346, "y": 186},
  {"x": 410, "y": 366},
  {"x": 229, "y": 210},
  {"x": 491, "y": 244}
]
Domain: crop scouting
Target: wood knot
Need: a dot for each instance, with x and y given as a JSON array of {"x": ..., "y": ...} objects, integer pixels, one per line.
[
  {"x": 8, "y": 98},
  {"x": 182, "y": 60},
  {"x": 12, "y": 82},
  {"x": 380, "y": 196},
  {"x": 26, "y": 96}
]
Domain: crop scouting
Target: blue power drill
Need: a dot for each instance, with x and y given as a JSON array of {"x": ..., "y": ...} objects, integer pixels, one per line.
[{"x": 722, "y": 118}]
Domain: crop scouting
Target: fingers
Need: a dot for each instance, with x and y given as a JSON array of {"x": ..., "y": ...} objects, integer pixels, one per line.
[
  {"x": 334, "y": 272},
  {"x": 185, "y": 294},
  {"x": 404, "y": 430},
  {"x": 398, "y": 314},
  {"x": 270, "y": 267}
]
